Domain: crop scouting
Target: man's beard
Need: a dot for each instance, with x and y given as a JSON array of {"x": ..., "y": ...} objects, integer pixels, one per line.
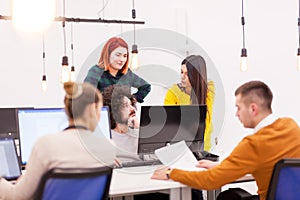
[{"x": 123, "y": 121}]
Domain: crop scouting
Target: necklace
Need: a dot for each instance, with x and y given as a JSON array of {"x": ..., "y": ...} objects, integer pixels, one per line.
[{"x": 76, "y": 127}]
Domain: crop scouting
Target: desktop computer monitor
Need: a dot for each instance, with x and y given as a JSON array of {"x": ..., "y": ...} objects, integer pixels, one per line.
[
  {"x": 34, "y": 123},
  {"x": 163, "y": 125},
  {"x": 103, "y": 128},
  {"x": 8, "y": 122}
]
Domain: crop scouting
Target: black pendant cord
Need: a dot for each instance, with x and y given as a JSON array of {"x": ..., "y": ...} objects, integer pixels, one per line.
[
  {"x": 76, "y": 127},
  {"x": 298, "y": 53},
  {"x": 243, "y": 24}
]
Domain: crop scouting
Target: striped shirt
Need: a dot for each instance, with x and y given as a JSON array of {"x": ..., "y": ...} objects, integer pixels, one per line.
[{"x": 102, "y": 79}]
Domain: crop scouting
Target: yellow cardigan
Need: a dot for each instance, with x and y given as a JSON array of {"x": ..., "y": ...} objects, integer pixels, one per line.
[{"x": 175, "y": 96}]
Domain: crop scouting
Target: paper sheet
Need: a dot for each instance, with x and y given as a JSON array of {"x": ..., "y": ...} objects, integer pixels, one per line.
[{"x": 178, "y": 156}]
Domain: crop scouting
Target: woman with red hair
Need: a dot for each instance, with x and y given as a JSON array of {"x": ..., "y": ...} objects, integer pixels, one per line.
[{"x": 113, "y": 68}]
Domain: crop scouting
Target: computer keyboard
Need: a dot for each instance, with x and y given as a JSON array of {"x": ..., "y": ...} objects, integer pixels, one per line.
[{"x": 140, "y": 163}]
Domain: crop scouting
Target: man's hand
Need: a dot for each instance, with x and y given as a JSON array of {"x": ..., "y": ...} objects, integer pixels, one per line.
[
  {"x": 207, "y": 164},
  {"x": 133, "y": 122},
  {"x": 160, "y": 173}
]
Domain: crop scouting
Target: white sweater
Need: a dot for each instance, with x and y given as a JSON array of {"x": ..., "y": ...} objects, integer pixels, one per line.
[
  {"x": 127, "y": 142},
  {"x": 68, "y": 149}
]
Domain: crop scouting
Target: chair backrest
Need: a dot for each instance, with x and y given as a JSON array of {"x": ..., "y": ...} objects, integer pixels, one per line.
[
  {"x": 75, "y": 184},
  {"x": 285, "y": 180}
]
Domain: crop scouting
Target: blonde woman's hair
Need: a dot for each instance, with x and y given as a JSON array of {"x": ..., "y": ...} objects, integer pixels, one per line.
[{"x": 78, "y": 97}]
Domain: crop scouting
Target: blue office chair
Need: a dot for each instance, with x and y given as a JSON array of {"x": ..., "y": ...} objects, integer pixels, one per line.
[
  {"x": 75, "y": 184},
  {"x": 285, "y": 180}
]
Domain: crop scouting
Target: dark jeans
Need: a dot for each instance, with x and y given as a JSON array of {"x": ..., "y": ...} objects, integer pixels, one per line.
[
  {"x": 197, "y": 194},
  {"x": 236, "y": 194},
  {"x": 253, "y": 197},
  {"x": 152, "y": 196}
]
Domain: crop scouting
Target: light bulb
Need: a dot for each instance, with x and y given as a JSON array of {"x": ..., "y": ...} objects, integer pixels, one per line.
[
  {"x": 134, "y": 61},
  {"x": 72, "y": 74},
  {"x": 44, "y": 83},
  {"x": 298, "y": 62},
  {"x": 243, "y": 64},
  {"x": 134, "y": 64},
  {"x": 65, "y": 77},
  {"x": 33, "y": 15},
  {"x": 65, "y": 74}
]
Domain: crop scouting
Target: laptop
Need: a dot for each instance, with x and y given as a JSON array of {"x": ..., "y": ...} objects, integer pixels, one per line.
[{"x": 10, "y": 168}]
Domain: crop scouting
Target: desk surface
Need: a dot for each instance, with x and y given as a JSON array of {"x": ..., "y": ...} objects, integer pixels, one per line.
[{"x": 136, "y": 180}]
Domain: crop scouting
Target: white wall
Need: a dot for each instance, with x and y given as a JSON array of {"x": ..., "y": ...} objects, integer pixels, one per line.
[{"x": 271, "y": 40}]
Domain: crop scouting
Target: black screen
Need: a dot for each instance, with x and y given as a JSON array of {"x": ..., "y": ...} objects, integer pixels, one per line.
[
  {"x": 162, "y": 125},
  {"x": 8, "y": 121}
]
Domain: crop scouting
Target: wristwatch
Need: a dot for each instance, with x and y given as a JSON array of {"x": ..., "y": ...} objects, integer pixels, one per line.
[{"x": 168, "y": 172}]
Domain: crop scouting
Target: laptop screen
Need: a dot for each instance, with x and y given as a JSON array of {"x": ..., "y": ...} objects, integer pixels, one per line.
[
  {"x": 163, "y": 125},
  {"x": 34, "y": 123},
  {"x": 9, "y": 167}
]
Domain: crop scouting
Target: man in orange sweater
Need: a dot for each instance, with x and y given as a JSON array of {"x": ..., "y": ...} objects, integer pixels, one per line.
[{"x": 273, "y": 139}]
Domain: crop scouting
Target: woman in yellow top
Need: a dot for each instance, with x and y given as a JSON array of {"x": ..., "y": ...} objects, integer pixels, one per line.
[{"x": 194, "y": 89}]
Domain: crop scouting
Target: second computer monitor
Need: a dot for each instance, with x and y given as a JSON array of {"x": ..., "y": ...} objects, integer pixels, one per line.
[
  {"x": 34, "y": 123},
  {"x": 163, "y": 125}
]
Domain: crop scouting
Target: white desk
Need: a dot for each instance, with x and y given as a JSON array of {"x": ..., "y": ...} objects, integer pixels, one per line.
[{"x": 136, "y": 180}]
